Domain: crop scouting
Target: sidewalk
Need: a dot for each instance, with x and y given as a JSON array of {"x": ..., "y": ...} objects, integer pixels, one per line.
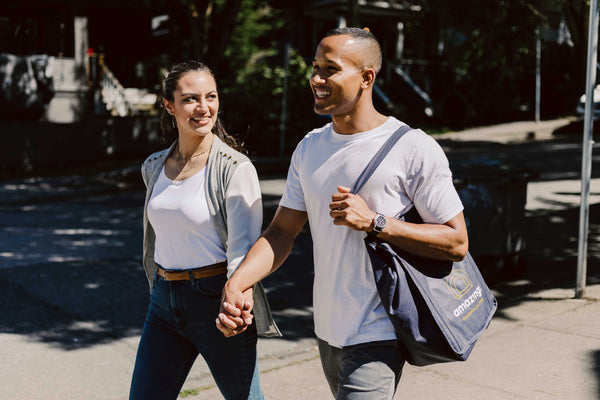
[
  {"x": 540, "y": 345},
  {"x": 510, "y": 132},
  {"x": 545, "y": 346}
]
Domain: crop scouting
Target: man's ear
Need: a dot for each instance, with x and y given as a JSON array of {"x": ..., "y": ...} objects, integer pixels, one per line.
[{"x": 368, "y": 76}]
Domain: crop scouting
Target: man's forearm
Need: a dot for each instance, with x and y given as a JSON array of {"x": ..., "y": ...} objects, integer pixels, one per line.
[
  {"x": 264, "y": 257},
  {"x": 441, "y": 242}
]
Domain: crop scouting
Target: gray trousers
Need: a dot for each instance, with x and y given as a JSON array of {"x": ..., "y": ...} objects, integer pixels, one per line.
[{"x": 366, "y": 371}]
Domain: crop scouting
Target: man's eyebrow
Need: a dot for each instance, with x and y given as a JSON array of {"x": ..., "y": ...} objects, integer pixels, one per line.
[{"x": 331, "y": 62}]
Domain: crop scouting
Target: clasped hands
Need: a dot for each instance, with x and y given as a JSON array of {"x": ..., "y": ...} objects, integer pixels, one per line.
[{"x": 235, "y": 314}]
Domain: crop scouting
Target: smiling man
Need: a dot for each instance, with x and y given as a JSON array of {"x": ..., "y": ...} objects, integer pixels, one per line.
[{"x": 360, "y": 354}]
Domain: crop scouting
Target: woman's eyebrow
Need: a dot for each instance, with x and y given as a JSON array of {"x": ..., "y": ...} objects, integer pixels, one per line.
[{"x": 195, "y": 94}]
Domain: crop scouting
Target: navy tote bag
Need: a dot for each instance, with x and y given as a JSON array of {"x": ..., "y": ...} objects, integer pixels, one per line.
[{"x": 438, "y": 308}]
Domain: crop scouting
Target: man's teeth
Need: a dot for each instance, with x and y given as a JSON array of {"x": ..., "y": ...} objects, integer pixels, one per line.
[{"x": 321, "y": 92}]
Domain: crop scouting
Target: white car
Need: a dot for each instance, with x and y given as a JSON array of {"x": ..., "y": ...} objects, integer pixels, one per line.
[{"x": 596, "y": 106}]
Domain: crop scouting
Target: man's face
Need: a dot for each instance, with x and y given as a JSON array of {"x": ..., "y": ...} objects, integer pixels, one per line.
[{"x": 337, "y": 76}]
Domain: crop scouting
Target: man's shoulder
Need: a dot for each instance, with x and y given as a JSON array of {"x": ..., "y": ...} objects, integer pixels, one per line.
[
  {"x": 311, "y": 139},
  {"x": 317, "y": 132}
]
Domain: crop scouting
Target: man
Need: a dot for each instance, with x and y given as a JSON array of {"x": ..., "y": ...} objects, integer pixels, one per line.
[{"x": 358, "y": 347}]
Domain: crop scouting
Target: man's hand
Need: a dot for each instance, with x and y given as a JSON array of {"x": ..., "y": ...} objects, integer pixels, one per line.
[
  {"x": 235, "y": 314},
  {"x": 350, "y": 210}
]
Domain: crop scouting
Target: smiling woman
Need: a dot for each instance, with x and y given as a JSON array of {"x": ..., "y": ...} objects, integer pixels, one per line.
[{"x": 202, "y": 213}]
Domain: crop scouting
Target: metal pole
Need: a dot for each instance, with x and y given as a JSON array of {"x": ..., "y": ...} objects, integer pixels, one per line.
[
  {"x": 538, "y": 84},
  {"x": 586, "y": 165},
  {"x": 283, "y": 120}
]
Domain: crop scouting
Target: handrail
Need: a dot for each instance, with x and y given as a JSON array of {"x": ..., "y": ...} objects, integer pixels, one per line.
[{"x": 113, "y": 93}]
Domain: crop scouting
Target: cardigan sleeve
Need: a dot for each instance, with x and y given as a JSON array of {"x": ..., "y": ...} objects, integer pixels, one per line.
[{"x": 243, "y": 203}]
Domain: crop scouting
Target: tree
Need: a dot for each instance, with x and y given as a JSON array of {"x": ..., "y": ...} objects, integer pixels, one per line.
[
  {"x": 486, "y": 51},
  {"x": 203, "y": 28}
]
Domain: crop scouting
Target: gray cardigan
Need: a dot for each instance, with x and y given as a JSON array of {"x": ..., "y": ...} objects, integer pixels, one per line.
[{"x": 222, "y": 162}]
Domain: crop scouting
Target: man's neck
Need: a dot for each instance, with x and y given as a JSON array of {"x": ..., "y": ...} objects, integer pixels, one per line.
[{"x": 349, "y": 124}]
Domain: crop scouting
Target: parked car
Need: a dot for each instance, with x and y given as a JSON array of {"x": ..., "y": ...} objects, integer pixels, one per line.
[{"x": 596, "y": 106}]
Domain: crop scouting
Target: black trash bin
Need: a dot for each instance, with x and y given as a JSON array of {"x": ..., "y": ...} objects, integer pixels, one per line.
[{"x": 494, "y": 196}]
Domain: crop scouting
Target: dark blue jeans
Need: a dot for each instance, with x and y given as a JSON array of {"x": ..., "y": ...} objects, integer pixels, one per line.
[{"x": 180, "y": 325}]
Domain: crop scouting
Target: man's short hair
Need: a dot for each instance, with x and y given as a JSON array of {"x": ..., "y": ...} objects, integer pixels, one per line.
[{"x": 367, "y": 40}]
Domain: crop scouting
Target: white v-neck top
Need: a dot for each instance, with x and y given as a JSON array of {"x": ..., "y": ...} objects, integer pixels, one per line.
[{"x": 186, "y": 236}]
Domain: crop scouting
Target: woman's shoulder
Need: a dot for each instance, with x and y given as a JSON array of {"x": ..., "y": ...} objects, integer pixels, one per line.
[
  {"x": 225, "y": 153},
  {"x": 158, "y": 156}
]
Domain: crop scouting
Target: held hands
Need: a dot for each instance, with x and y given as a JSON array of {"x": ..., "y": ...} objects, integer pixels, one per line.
[
  {"x": 235, "y": 314},
  {"x": 350, "y": 210}
]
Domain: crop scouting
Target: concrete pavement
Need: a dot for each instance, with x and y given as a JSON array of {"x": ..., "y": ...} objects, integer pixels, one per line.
[{"x": 542, "y": 344}]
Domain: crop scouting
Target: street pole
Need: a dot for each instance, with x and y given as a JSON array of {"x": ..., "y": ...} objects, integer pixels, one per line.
[
  {"x": 538, "y": 80},
  {"x": 283, "y": 118},
  {"x": 586, "y": 164}
]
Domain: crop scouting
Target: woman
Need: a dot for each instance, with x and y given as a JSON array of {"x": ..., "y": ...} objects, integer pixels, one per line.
[{"x": 202, "y": 213}]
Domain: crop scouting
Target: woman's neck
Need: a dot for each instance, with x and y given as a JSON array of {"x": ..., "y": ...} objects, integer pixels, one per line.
[{"x": 190, "y": 147}]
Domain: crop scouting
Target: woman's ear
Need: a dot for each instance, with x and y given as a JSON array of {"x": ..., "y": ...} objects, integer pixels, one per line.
[
  {"x": 167, "y": 106},
  {"x": 368, "y": 76}
]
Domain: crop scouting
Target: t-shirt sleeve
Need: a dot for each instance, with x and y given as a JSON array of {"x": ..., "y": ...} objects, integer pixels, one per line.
[
  {"x": 430, "y": 184},
  {"x": 244, "y": 214},
  {"x": 293, "y": 196}
]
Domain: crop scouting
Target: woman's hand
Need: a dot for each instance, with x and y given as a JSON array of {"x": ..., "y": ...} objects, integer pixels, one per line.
[{"x": 235, "y": 314}]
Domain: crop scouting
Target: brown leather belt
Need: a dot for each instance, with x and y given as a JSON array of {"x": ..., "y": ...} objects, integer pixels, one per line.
[{"x": 197, "y": 273}]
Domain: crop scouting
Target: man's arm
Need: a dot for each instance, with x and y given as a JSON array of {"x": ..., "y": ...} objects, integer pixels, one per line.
[
  {"x": 448, "y": 241},
  {"x": 265, "y": 256}
]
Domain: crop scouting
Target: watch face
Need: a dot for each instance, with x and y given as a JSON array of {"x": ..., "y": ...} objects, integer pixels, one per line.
[{"x": 379, "y": 222}]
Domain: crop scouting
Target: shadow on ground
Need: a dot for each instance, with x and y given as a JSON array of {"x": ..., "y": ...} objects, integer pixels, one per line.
[
  {"x": 70, "y": 271},
  {"x": 595, "y": 362}
]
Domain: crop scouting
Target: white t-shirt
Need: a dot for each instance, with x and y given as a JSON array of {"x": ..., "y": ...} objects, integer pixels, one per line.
[
  {"x": 185, "y": 235},
  {"x": 347, "y": 309}
]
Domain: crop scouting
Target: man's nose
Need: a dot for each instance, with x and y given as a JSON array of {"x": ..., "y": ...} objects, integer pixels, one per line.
[{"x": 317, "y": 79}]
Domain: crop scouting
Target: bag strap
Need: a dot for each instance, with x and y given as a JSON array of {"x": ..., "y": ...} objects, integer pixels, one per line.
[{"x": 378, "y": 158}]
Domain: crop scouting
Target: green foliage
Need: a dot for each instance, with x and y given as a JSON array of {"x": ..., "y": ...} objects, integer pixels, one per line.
[
  {"x": 255, "y": 100},
  {"x": 487, "y": 61},
  {"x": 252, "y": 93},
  {"x": 489, "y": 55}
]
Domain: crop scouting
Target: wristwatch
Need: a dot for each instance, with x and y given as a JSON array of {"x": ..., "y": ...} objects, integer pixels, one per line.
[{"x": 378, "y": 224}]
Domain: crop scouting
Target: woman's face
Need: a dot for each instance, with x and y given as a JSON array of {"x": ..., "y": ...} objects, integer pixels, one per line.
[{"x": 195, "y": 103}]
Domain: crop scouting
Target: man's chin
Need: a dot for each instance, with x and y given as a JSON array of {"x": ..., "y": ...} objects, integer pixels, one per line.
[{"x": 321, "y": 109}]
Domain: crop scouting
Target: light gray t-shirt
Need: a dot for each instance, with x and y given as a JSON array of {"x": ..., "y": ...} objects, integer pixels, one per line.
[{"x": 347, "y": 309}]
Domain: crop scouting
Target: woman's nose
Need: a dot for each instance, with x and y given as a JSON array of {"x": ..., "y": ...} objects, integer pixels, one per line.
[{"x": 202, "y": 105}]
